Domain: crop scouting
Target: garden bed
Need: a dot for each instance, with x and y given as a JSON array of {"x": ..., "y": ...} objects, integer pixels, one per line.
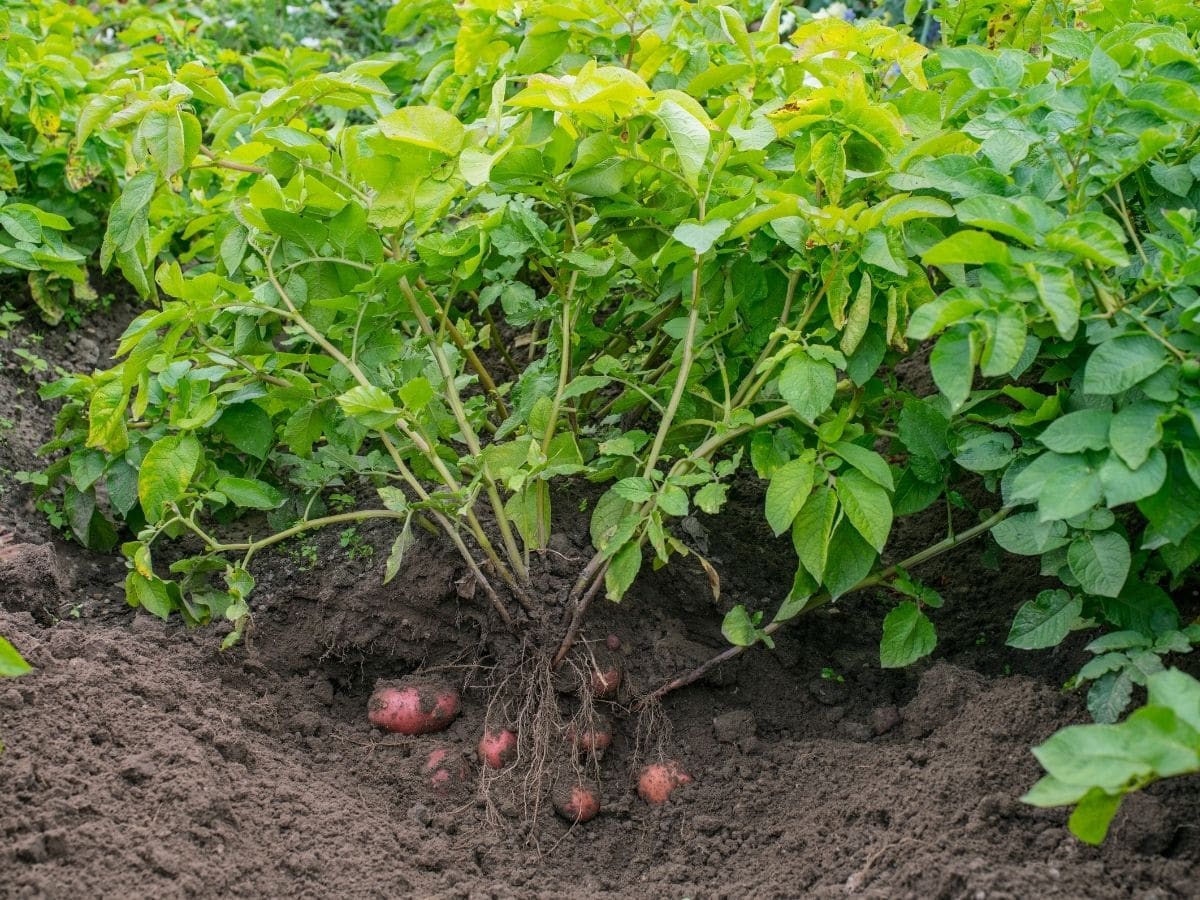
[{"x": 141, "y": 761}]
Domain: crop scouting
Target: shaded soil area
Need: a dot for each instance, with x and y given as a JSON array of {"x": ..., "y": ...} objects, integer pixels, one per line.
[{"x": 140, "y": 761}]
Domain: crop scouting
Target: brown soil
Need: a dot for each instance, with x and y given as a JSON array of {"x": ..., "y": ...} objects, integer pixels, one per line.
[{"x": 141, "y": 762}]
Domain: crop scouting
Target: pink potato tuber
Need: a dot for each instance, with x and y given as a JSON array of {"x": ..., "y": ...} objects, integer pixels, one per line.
[
  {"x": 605, "y": 679},
  {"x": 413, "y": 706},
  {"x": 444, "y": 768},
  {"x": 658, "y": 780},
  {"x": 498, "y": 748},
  {"x": 593, "y": 738},
  {"x": 576, "y": 800}
]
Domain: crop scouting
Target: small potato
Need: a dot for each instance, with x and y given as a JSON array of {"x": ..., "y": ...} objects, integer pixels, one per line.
[
  {"x": 444, "y": 768},
  {"x": 413, "y": 706},
  {"x": 658, "y": 780},
  {"x": 576, "y": 800},
  {"x": 498, "y": 748},
  {"x": 605, "y": 680},
  {"x": 594, "y": 738}
]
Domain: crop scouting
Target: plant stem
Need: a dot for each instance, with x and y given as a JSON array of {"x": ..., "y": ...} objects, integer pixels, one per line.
[
  {"x": 423, "y": 446},
  {"x": 685, "y": 369},
  {"x": 822, "y": 599},
  {"x": 515, "y": 557}
]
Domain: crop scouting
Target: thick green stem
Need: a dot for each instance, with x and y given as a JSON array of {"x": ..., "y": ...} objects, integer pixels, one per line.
[{"x": 685, "y": 370}]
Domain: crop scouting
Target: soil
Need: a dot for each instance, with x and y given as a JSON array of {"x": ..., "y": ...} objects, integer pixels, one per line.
[{"x": 140, "y": 761}]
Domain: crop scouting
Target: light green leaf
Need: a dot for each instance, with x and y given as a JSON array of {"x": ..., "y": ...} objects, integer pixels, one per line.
[
  {"x": 908, "y": 635},
  {"x": 975, "y": 248},
  {"x": 166, "y": 471},
  {"x": 1091, "y": 818},
  {"x": 700, "y": 238},
  {"x": 403, "y": 543},
  {"x": 1100, "y": 560},
  {"x": 786, "y": 494},
  {"x": 424, "y": 126},
  {"x": 12, "y": 663},
  {"x": 812, "y": 529},
  {"x": 689, "y": 136},
  {"x": 808, "y": 385},
  {"x": 1122, "y": 362},
  {"x": 622, "y": 570},
  {"x": 867, "y": 506},
  {"x": 250, "y": 493},
  {"x": 738, "y": 628},
  {"x": 1044, "y": 621}
]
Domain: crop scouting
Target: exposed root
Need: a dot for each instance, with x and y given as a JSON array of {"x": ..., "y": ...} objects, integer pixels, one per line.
[
  {"x": 525, "y": 701},
  {"x": 549, "y": 711}
]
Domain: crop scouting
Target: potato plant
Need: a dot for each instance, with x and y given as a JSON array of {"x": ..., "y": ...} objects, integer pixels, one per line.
[{"x": 660, "y": 246}]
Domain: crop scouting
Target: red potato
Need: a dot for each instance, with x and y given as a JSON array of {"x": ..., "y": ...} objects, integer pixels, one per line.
[
  {"x": 613, "y": 643},
  {"x": 605, "y": 680},
  {"x": 576, "y": 800},
  {"x": 594, "y": 738},
  {"x": 444, "y": 768},
  {"x": 658, "y": 780},
  {"x": 498, "y": 748},
  {"x": 416, "y": 706}
]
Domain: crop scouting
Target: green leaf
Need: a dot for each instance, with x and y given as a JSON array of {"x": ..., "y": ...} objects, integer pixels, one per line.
[
  {"x": 1124, "y": 485},
  {"x": 1091, "y": 236},
  {"x": 998, "y": 214},
  {"x": 369, "y": 405},
  {"x": 812, "y": 530},
  {"x": 12, "y": 663},
  {"x": 248, "y": 427},
  {"x": 1091, "y": 818},
  {"x": 689, "y": 136},
  {"x": 787, "y": 493},
  {"x": 975, "y": 248},
  {"x": 403, "y": 543},
  {"x": 1100, "y": 560},
  {"x": 1086, "y": 429},
  {"x": 166, "y": 471},
  {"x": 867, "y": 506},
  {"x": 700, "y": 237},
  {"x": 250, "y": 493},
  {"x": 908, "y": 635},
  {"x": 866, "y": 461},
  {"x": 1025, "y": 534},
  {"x": 952, "y": 364},
  {"x": 1109, "y": 696},
  {"x": 622, "y": 570},
  {"x": 1122, "y": 362},
  {"x": 1062, "y": 485},
  {"x": 850, "y": 559},
  {"x": 808, "y": 385},
  {"x": 424, "y": 126},
  {"x": 148, "y": 593},
  {"x": 1058, "y": 293},
  {"x": 859, "y": 317},
  {"x": 1044, "y": 621},
  {"x": 1135, "y": 431},
  {"x": 1142, "y": 607},
  {"x": 738, "y": 628}
]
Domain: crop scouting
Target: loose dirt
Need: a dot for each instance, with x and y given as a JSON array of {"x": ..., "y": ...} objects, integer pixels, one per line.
[{"x": 141, "y": 762}]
